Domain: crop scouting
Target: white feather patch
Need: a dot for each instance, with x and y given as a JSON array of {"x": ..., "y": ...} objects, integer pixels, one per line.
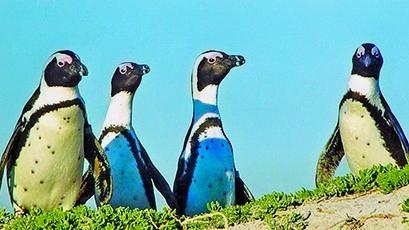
[
  {"x": 361, "y": 138},
  {"x": 120, "y": 110},
  {"x": 367, "y": 86}
]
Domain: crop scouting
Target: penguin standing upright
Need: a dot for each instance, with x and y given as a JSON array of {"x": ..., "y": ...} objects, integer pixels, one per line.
[
  {"x": 367, "y": 131},
  {"x": 45, "y": 155},
  {"x": 131, "y": 168},
  {"x": 206, "y": 170}
]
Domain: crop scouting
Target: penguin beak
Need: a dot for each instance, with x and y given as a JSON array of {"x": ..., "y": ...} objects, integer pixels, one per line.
[
  {"x": 234, "y": 60},
  {"x": 366, "y": 60},
  {"x": 83, "y": 70},
  {"x": 143, "y": 69}
]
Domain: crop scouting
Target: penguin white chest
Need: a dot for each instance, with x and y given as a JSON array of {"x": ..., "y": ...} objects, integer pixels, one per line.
[
  {"x": 48, "y": 171},
  {"x": 361, "y": 138}
]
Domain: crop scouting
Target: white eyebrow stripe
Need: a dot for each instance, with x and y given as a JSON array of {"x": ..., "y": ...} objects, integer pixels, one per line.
[
  {"x": 124, "y": 65},
  {"x": 63, "y": 58}
]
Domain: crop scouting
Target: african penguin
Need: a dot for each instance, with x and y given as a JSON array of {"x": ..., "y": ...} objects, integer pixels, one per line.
[
  {"x": 367, "y": 131},
  {"x": 132, "y": 170},
  {"x": 206, "y": 170},
  {"x": 45, "y": 154}
]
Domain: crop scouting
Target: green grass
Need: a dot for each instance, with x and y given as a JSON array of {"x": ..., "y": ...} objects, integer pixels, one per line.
[
  {"x": 405, "y": 205},
  {"x": 405, "y": 208},
  {"x": 267, "y": 208}
]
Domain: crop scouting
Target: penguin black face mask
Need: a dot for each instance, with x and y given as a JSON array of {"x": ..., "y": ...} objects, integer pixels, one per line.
[
  {"x": 127, "y": 77},
  {"x": 367, "y": 61},
  {"x": 64, "y": 70},
  {"x": 214, "y": 68}
]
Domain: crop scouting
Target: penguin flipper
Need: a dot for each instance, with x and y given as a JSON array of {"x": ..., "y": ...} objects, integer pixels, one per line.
[
  {"x": 101, "y": 172},
  {"x": 393, "y": 122},
  {"x": 8, "y": 153},
  {"x": 181, "y": 185},
  {"x": 329, "y": 158},
  {"x": 243, "y": 193},
  {"x": 87, "y": 189},
  {"x": 159, "y": 181}
]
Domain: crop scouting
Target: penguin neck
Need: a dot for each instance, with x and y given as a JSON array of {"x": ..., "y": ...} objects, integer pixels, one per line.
[
  {"x": 56, "y": 94},
  {"x": 120, "y": 110},
  {"x": 205, "y": 101},
  {"x": 200, "y": 108},
  {"x": 366, "y": 86}
]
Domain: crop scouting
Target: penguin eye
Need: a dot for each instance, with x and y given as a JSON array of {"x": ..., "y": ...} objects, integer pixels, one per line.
[
  {"x": 211, "y": 60},
  {"x": 360, "y": 52},
  {"x": 60, "y": 64},
  {"x": 375, "y": 52}
]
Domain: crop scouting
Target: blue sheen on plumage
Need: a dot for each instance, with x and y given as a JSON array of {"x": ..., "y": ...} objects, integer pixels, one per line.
[
  {"x": 128, "y": 188},
  {"x": 213, "y": 177},
  {"x": 200, "y": 108}
]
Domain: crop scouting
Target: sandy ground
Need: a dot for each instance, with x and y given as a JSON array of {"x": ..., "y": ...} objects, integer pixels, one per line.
[{"x": 372, "y": 210}]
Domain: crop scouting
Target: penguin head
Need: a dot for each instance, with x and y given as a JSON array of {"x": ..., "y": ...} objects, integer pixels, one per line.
[
  {"x": 64, "y": 69},
  {"x": 127, "y": 77},
  {"x": 211, "y": 67},
  {"x": 367, "y": 61}
]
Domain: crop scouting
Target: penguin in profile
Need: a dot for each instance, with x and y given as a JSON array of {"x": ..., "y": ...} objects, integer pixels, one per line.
[
  {"x": 132, "y": 170},
  {"x": 45, "y": 155},
  {"x": 367, "y": 132},
  {"x": 206, "y": 170}
]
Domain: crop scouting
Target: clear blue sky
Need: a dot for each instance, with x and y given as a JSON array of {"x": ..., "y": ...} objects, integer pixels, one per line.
[{"x": 278, "y": 109}]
